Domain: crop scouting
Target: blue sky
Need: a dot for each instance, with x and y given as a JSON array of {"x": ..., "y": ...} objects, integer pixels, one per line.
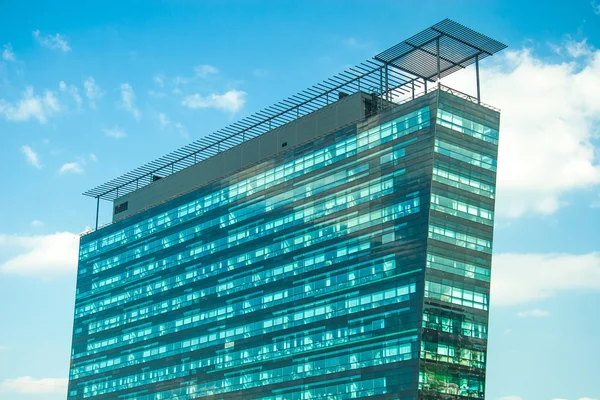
[{"x": 90, "y": 90}]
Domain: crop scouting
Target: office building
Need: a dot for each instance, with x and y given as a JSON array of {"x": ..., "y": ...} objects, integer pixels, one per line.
[{"x": 336, "y": 245}]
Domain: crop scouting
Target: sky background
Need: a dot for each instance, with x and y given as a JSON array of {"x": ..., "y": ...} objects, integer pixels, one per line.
[{"x": 90, "y": 90}]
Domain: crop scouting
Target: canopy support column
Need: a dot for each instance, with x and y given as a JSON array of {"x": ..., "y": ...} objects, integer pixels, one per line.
[
  {"x": 477, "y": 78},
  {"x": 97, "y": 210},
  {"x": 437, "y": 43}
]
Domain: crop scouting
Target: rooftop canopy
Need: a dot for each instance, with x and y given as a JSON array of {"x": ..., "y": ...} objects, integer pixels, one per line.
[{"x": 393, "y": 74}]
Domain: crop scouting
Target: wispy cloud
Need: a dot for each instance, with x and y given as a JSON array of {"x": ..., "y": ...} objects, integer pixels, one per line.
[
  {"x": 182, "y": 130},
  {"x": 36, "y": 223},
  {"x": 30, "y": 106},
  {"x": 573, "y": 48},
  {"x": 92, "y": 91},
  {"x": 72, "y": 90},
  {"x": 7, "y": 53},
  {"x": 260, "y": 72},
  {"x": 115, "y": 132},
  {"x": 353, "y": 42},
  {"x": 40, "y": 256},
  {"x": 201, "y": 72},
  {"x": 71, "y": 168},
  {"x": 159, "y": 80},
  {"x": 596, "y": 7},
  {"x": 31, "y": 156},
  {"x": 93, "y": 157},
  {"x": 205, "y": 70},
  {"x": 579, "y": 49},
  {"x": 157, "y": 95},
  {"x": 163, "y": 119},
  {"x": 535, "y": 313},
  {"x": 523, "y": 278},
  {"x": 29, "y": 385},
  {"x": 179, "y": 80},
  {"x": 165, "y": 122},
  {"x": 231, "y": 101},
  {"x": 52, "y": 42},
  {"x": 128, "y": 100}
]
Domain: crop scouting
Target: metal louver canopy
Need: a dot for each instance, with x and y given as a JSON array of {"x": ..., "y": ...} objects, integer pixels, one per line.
[{"x": 457, "y": 46}]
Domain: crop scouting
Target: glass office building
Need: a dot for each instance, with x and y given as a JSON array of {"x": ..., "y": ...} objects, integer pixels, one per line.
[{"x": 345, "y": 254}]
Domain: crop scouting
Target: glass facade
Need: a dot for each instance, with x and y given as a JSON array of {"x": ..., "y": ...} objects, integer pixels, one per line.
[
  {"x": 460, "y": 233},
  {"x": 354, "y": 266}
]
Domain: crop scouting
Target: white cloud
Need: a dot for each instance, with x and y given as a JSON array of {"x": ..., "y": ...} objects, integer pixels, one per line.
[
  {"x": 128, "y": 100},
  {"x": 523, "y": 278},
  {"x": 92, "y": 91},
  {"x": 29, "y": 385},
  {"x": 36, "y": 223},
  {"x": 30, "y": 106},
  {"x": 163, "y": 119},
  {"x": 115, "y": 133},
  {"x": 31, "y": 156},
  {"x": 72, "y": 90},
  {"x": 231, "y": 101},
  {"x": 595, "y": 7},
  {"x": 40, "y": 256},
  {"x": 549, "y": 111},
  {"x": 53, "y": 42},
  {"x": 93, "y": 157},
  {"x": 8, "y": 53},
  {"x": 204, "y": 71},
  {"x": 71, "y": 168},
  {"x": 535, "y": 313}
]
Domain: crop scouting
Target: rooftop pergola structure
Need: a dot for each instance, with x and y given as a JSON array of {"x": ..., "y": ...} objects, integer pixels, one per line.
[{"x": 392, "y": 75}]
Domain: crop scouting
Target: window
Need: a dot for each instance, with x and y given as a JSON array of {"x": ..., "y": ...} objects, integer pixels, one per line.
[{"x": 121, "y": 207}]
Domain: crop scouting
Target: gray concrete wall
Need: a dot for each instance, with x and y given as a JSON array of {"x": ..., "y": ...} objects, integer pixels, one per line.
[{"x": 329, "y": 118}]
